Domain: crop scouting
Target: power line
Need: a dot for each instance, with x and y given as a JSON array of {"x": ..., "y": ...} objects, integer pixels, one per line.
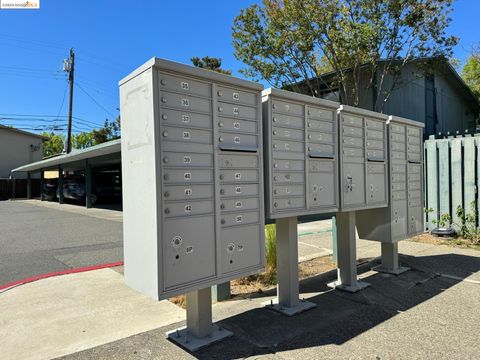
[{"x": 95, "y": 101}]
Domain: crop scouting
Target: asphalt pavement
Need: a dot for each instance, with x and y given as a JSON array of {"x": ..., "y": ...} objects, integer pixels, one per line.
[{"x": 38, "y": 238}]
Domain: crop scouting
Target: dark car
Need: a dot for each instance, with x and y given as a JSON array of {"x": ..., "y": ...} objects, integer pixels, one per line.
[
  {"x": 50, "y": 189},
  {"x": 74, "y": 189}
]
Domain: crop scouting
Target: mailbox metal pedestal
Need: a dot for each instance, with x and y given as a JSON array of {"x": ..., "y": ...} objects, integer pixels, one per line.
[
  {"x": 390, "y": 260},
  {"x": 200, "y": 331},
  {"x": 288, "y": 302},
  {"x": 347, "y": 255}
]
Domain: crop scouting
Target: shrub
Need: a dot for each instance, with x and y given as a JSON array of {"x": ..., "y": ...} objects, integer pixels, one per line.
[{"x": 271, "y": 248}]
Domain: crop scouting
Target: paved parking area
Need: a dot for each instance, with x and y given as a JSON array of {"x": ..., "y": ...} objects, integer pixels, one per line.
[{"x": 38, "y": 238}]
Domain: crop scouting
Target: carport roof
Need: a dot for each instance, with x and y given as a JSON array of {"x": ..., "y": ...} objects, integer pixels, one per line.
[{"x": 107, "y": 148}]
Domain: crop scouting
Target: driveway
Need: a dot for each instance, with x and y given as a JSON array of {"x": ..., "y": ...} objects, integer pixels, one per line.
[{"x": 38, "y": 238}]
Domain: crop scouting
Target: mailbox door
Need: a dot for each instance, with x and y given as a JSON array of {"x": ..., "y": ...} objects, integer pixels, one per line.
[
  {"x": 321, "y": 189},
  {"x": 376, "y": 180},
  {"x": 354, "y": 184},
  {"x": 240, "y": 248}
]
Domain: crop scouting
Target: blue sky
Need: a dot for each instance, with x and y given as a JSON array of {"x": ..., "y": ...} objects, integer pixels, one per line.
[{"x": 112, "y": 38}]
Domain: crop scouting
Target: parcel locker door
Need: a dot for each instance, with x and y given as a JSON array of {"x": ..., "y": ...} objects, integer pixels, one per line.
[
  {"x": 321, "y": 189},
  {"x": 399, "y": 219},
  {"x": 241, "y": 248},
  {"x": 188, "y": 250},
  {"x": 376, "y": 190},
  {"x": 353, "y": 184}
]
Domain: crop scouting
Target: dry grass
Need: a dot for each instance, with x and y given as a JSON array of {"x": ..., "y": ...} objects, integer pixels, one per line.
[{"x": 428, "y": 238}]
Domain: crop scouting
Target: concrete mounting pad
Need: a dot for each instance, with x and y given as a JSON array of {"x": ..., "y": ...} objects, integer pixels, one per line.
[
  {"x": 182, "y": 338},
  {"x": 70, "y": 313},
  {"x": 302, "y": 306},
  {"x": 382, "y": 269},
  {"x": 360, "y": 285}
]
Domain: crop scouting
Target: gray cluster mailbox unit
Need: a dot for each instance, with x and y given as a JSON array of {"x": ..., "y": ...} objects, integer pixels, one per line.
[
  {"x": 404, "y": 217},
  {"x": 363, "y": 159},
  {"x": 301, "y": 154},
  {"x": 192, "y": 168}
]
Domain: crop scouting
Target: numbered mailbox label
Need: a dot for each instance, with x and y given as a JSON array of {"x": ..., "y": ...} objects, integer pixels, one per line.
[
  {"x": 188, "y": 192},
  {"x": 185, "y": 85},
  {"x": 236, "y": 111},
  {"x": 236, "y": 96},
  {"x": 238, "y": 204},
  {"x": 187, "y": 159},
  {"x": 186, "y": 135},
  {"x": 186, "y": 119},
  {"x": 187, "y": 176},
  {"x": 238, "y": 190},
  {"x": 185, "y": 102},
  {"x": 239, "y": 219},
  {"x": 188, "y": 208}
]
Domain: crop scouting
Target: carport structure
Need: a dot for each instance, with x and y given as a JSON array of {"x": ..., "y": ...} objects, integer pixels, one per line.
[{"x": 81, "y": 160}]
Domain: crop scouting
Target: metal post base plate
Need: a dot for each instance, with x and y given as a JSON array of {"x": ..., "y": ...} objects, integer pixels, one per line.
[
  {"x": 182, "y": 338},
  {"x": 302, "y": 306},
  {"x": 399, "y": 270},
  {"x": 360, "y": 285}
]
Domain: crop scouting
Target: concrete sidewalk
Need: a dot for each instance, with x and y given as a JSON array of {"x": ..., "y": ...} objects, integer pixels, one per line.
[{"x": 430, "y": 312}]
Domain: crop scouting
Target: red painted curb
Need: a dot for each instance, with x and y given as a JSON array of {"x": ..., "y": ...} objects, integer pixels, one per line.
[{"x": 57, "y": 273}]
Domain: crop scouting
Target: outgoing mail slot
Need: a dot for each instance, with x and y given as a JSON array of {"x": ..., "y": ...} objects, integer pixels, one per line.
[
  {"x": 319, "y": 150},
  {"x": 238, "y": 161},
  {"x": 353, "y": 141},
  {"x": 287, "y": 133},
  {"x": 321, "y": 189},
  {"x": 294, "y": 165},
  {"x": 374, "y": 125},
  {"x": 236, "y": 96},
  {"x": 318, "y": 113},
  {"x": 187, "y": 159},
  {"x": 185, "y": 118},
  {"x": 287, "y": 107},
  {"x": 320, "y": 165},
  {"x": 288, "y": 203},
  {"x": 352, "y": 120},
  {"x": 288, "y": 177},
  {"x": 288, "y": 190},
  {"x": 184, "y": 85},
  {"x": 320, "y": 136},
  {"x": 239, "y": 204},
  {"x": 375, "y": 144},
  {"x": 293, "y": 146},
  {"x": 324, "y": 126},
  {"x": 238, "y": 176},
  {"x": 185, "y": 102},
  {"x": 352, "y": 131},
  {"x": 188, "y": 192},
  {"x": 187, "y": 176},
  {"x": 187, "y": 242},
  {"x": 240, "y": 248},
  {"x": 288, "y": 121},
  {"x": 238, "y": 190},
  {"x": 237, "y": 111},
  {"x": 187, "y": 208},
  {"x": 239, "y": 218},
  {"x": 234, "y": 140},
  {"x": 186, "y": 135},
  {"x": 229, "y": 124},
  {"x": 375, "y": 134}
]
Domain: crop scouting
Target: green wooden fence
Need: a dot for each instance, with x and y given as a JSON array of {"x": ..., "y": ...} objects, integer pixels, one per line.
[{"x": 451, "y": 176}]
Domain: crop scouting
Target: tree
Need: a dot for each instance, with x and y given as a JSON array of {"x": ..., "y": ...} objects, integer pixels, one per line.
[
  {"x": 210, "y": 63},
  {"x": 471, "y": 71},
  {"x": 288, "y": 42},
  {"x": 54, "y": 145},
  {"x": 110, "y": 131}
]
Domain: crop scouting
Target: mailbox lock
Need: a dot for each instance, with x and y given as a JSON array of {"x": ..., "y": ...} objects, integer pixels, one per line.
[
  {"x": 275, "y": 178},
  {"x": 309, "y": 136},
  {"x": 222, "y": 221},
  {"x": 220, "y": 124},
  {"x": 163, "y": 82},
  {"x": 222, "y": 191},
  {"x": 164, "y": 116},
  {"x": 349, "y": 183},
  {"x": 275, "y": 165},
  {"x": 220, "y": 139},
  {"x": 166, "y": 177},
  {"x": 220, "y": 93},
  {"x": 166, "y": 194},
  {"x": 167, "y": 211},
  {"x": 164, "y": 100},
  {"x": 275, "y": 191},
  {"x": 309, "y": 124},
  {"x": 165, "y": 133},
  {"x": 274, "y": 119},
  {"x": 309, "y": 148},
  {"x": 165, "y": 159},
  {"x": 275, "y": 146},
  {"x": 220, "y": 109},
  {"x": 222, "y": 176},
  {"x": 222, "y": 206},
  {"x": 275, "y": 204}
]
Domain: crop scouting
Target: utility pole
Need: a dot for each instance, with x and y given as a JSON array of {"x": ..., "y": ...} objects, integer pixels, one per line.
[{"x": 71, "y": 69}]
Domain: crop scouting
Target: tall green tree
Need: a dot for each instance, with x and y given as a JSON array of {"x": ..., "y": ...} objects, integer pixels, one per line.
[
  {"x": 210, "y": 63},
  {"x": 471, "y": 71},
  {"x": 287, "y": 42},
  {"x": 53, "y": 146}
]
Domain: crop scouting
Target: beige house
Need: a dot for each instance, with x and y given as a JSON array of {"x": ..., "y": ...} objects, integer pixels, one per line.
[{"x": 17, "y": 148}]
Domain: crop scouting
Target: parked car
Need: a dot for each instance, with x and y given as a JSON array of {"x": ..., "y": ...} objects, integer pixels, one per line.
[
  {"x": 50, "y": 189},
  {"x": 74, "y": 189}
]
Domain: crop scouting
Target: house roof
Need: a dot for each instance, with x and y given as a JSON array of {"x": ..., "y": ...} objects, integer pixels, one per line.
[
  {"x": 109, "y": 147},
  {"x": 446, "y": 68},
  {"x": 44, "y": 138}
]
